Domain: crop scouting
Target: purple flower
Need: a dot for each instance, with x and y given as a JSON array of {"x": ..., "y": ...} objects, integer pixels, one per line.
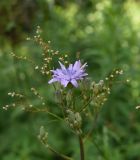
[{"x": 68, "y": 75}]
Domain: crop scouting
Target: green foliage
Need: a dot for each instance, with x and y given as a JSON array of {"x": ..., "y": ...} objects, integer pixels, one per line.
[{"x": 106, "y": 33}]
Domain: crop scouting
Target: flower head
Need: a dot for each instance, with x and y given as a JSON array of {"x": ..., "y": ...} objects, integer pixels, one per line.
[{"x": 68, "y": 75}]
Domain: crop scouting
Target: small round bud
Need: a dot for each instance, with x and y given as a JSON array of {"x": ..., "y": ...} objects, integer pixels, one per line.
[
  {"x": 137, "y": 107},
  {"x": 36, "y": 67},
  {"x": 106, "y": 78},
  {"x": 28, "y": 38},
  {"x": 111, "y": 76},
  {"x": 127, "y": 80}
]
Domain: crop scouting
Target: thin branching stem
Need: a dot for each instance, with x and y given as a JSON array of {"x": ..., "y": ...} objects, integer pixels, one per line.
[
  {"x": 86, "y": 105},
  {"x": 59, "y": 154},
  {"x": 43, "y": 110}
]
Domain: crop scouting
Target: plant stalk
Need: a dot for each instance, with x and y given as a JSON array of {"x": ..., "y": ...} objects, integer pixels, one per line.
[
  {"x": 59, "y": 154},
  {"x": 82, "y": 154}
]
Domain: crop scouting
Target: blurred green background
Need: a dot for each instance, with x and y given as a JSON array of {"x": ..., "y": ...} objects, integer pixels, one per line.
[{"x": 107, "y": 34}]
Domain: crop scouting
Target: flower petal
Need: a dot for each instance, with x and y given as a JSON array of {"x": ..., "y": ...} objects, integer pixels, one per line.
[
  {"x": 74, "y": 82},
  {"x": 64, "y": 82},
  {"x": 77, "y": 65},
  {"x": 70, "y": 67},
  {"x": 62, "y": 66},
  {"x": 83, "y": 66},
  {"x": 53, "y": 80}
]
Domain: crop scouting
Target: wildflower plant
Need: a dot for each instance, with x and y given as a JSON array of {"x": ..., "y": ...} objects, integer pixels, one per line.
[{"x": 77, "y": 94}]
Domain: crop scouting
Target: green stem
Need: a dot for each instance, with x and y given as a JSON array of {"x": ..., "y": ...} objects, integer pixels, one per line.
[
  {"x": 43, "y": 110},
  {"x": 59, "y": 154},
  {"x": 82, "y": 155},
  {"x": 86, "y": 105}
]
